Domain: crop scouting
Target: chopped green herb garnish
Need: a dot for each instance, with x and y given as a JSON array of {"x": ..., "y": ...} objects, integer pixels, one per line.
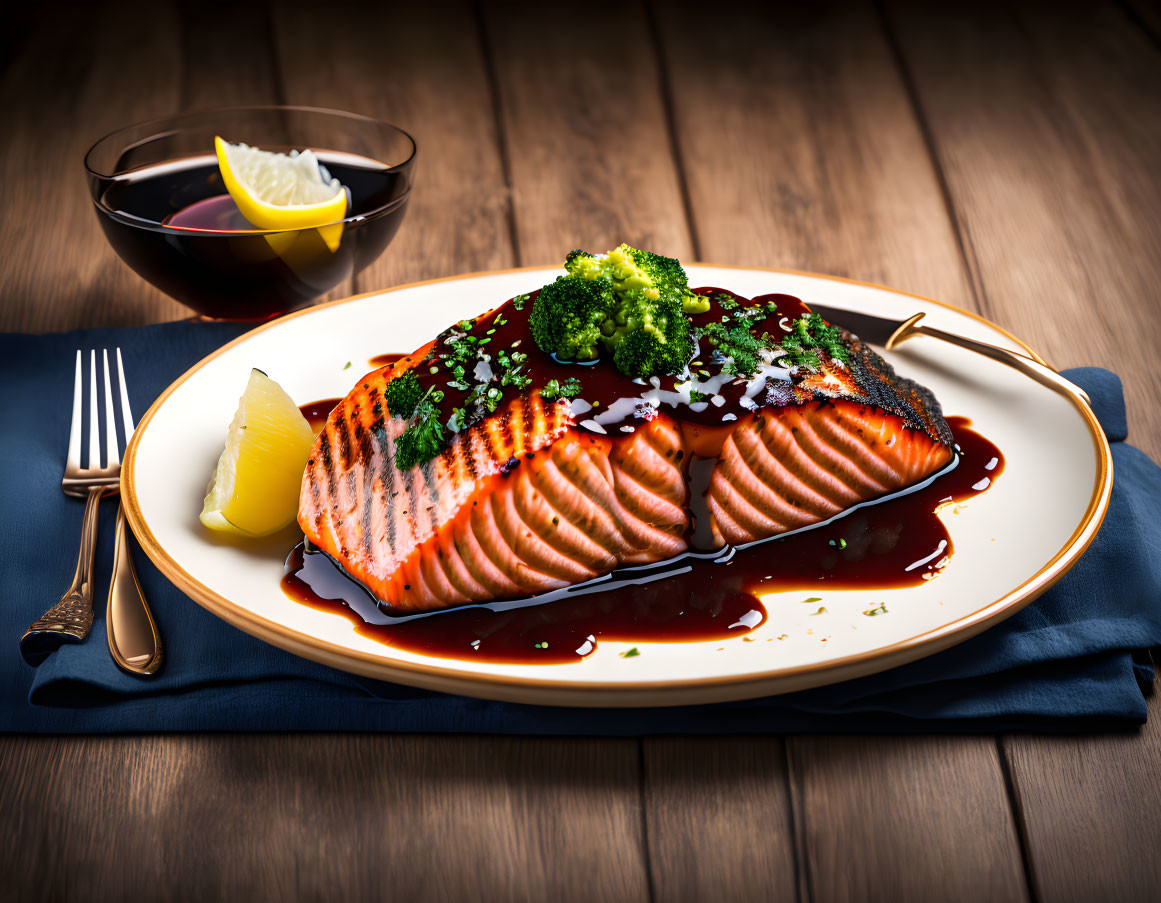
[
  {"x": 630, "y": 653},
  {"x": 880, "y": 609},
  {"x": 821, "y": 611},
  {"x": 423, "y": 439},
  {"x": 347, "y": 365},
  {"x": 403, "y": 395},
  {"x": 695, "y": 396},
  {"x": 811, "y": 600},
  {"x": 837, "y": 543},
  {"x": 554, "y": 389},
  {"x": 737, "y": 347},
  {"x": 540, "y": 645},
  {"x": 810, "y": 334}
]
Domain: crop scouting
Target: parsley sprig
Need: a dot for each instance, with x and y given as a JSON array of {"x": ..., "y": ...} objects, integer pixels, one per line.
[
  {"x": 555, "y": 389},
  {"x": 424, "y": 438}
]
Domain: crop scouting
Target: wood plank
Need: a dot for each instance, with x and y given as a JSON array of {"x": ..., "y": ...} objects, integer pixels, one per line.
[
  {"x": 421, "y": 67},
  {"x": 228, "y": 60},
  {"x": 719, "y": 820},
  {"x": 428, "y": 71},
  {"x": 1048, "y": 124},
  {"x": 1091, "y": 811},
  {"x": 801, "y": 149},
  {"x": 464, "y": 819},
  {"x": 110, "y": 67},
  {"x": 906, "y": 818},
  {"x": 227, "y": 56},
  {"x": 1147, "y": 13},
  {"x": 586, "y": 141},
  {"x": 582, "y": 172},
  {"x": 276, "y": 817}
]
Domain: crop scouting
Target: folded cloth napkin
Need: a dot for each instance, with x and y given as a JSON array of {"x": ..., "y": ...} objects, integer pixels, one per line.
[{"x": 1065, "y": 662}]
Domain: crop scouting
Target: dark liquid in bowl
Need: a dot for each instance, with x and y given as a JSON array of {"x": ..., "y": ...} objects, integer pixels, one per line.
[
  {"x": 177, "y": 227},
  {"x": 890, "y": 544}
]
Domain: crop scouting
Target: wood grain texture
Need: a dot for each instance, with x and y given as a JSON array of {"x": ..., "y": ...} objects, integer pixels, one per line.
[
  {"x": 226, "y": 56},
  {"x": 1091, "y": 812},
  {"x": 1147, "y": 14},
  {"x": 800, "y": 147},
  {"x": 719, "y": 820},
  {"x": 229, "y": 60},
  {"x": 906, "y": 818},
  {"x": 308, "y": 817},
  {"x": 109, "y": 67},
  {"x": 1047, "y": 122},
  {"x": 794, "y": 142},
  {"x": 585, "y": 130},
  {"x": 420, "y": 67}
]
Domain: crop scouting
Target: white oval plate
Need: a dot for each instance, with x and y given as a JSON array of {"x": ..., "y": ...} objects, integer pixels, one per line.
[{"x": 1011, "y": 543}]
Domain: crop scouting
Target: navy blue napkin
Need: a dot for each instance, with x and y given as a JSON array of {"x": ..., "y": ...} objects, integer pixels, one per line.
[{"x": 1065, "y": 662}]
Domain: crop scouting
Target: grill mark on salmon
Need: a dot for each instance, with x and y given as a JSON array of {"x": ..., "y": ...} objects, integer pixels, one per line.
[
  {"x": 328, "y": 461},
  {"x": 385, "y": 470},
  {"x": 366, "y": 453},
  {"x": 341, "y": 428}
]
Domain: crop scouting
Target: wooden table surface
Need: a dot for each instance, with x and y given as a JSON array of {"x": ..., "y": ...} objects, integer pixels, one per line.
[{"x": 1004, "y": 159}]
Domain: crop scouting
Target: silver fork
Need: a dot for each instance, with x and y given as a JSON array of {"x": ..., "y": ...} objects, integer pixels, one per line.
[{"x": 71, "y": 618}]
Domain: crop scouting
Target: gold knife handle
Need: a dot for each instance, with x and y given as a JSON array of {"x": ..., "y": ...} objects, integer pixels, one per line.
[
  {"x": 134, "y": 640},
  {"x": 1036, "y": 369},
  {"x": 70, "y": 619}
]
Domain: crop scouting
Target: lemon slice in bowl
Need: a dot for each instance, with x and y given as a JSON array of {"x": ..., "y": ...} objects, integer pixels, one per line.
[
  {"x": 283, "y": 191},
  {"x": 254, "y": 490}
]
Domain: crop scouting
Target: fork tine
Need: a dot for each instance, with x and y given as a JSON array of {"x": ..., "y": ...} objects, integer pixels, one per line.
[
  {"x": 94, "y": 422},
  {"x": 111, "y": 454},
  {"x": 73, "y": 461},
  {"x": 126, "y": 411}
]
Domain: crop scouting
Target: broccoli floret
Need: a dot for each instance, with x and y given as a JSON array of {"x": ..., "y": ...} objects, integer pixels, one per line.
[
  {"x": 669, "y": 276},
  {"x": 643, "y": 354},
  {"x": 567, "y": 317},
  {"x": 605, "y": 301},
  {"x": 632, "y": 272}
]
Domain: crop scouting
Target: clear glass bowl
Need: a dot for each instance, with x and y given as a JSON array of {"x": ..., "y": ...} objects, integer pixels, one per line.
[{"x": 145, "y": 180}]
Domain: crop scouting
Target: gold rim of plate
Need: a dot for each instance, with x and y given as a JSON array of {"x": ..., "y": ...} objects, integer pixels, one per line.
[{"x": 679, "y": 691}]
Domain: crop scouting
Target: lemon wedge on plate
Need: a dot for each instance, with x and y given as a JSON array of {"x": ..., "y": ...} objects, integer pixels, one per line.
[
  {"x": 254, "y": 490},
  {"x": 283, "y": 191}
]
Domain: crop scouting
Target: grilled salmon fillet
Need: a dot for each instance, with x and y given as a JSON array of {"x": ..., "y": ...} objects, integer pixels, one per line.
[{"x": 530, "y": 500}]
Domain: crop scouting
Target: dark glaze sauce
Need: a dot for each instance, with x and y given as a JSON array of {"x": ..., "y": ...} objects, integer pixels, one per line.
[
  {"x": 385, "y": 360},
  {"x": 898, "y": 542},
  {"x": 316, "y": 412},
  {"x": 507, "y": 329}
]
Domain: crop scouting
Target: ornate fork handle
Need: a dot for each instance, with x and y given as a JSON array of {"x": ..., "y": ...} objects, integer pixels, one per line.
[{"x": 70, "y": 619}]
